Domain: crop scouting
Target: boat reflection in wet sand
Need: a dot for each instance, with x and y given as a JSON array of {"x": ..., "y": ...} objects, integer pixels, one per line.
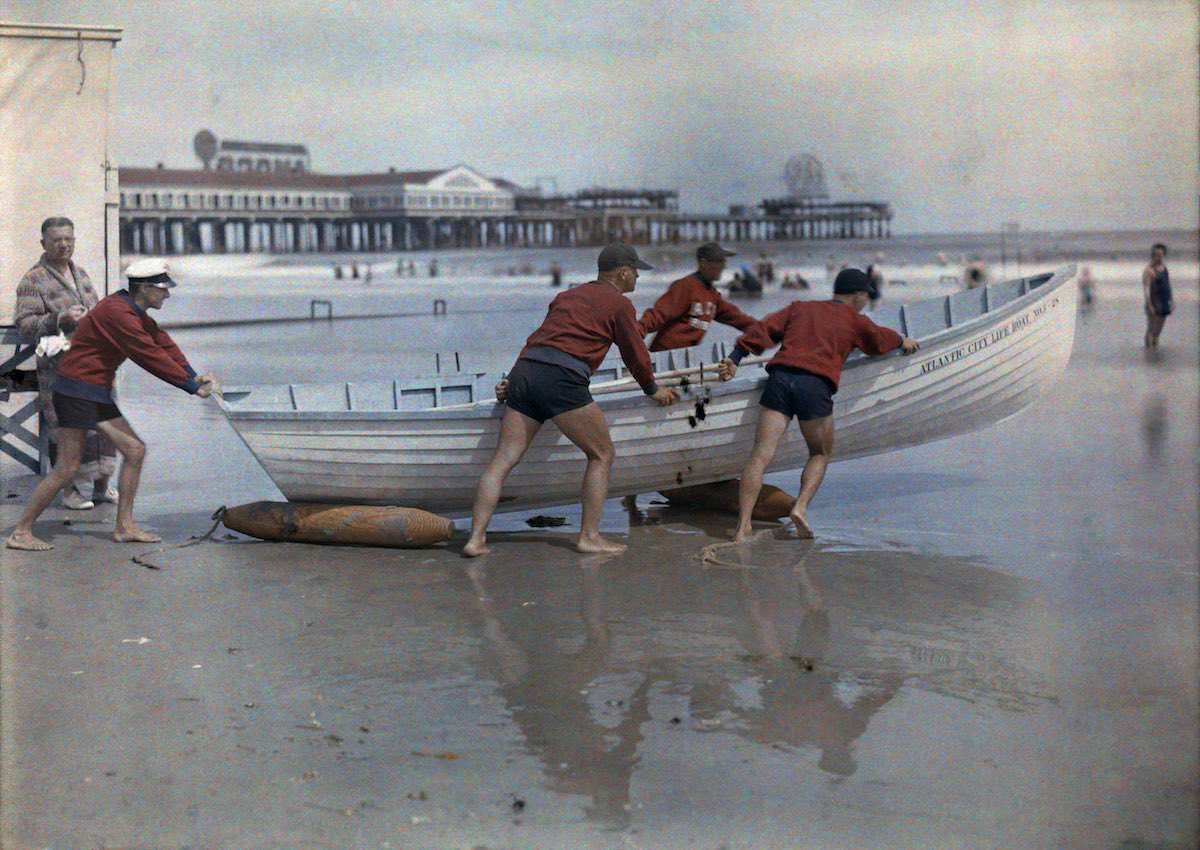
[
  {"x": 985, "y": 355},
  {"x": 794, "y": 655}
]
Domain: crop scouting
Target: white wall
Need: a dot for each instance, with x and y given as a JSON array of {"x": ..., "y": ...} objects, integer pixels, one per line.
[{"x": 54, "y": 144}]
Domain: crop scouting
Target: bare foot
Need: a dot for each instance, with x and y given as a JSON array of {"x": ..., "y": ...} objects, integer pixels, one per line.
[
  {"x": 475, "y": 548},
  {"x": 597, "y": 545},
  {"x": 135, "y": 535},
  {"x": 803, "y": 529},
  {"x": 741, "y": 535},
  {"x": 25, "y": 541}
]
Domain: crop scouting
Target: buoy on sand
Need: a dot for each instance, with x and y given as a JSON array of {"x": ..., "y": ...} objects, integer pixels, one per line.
[
  {"x": 363, "y": 525},
  {"x": 772, "y": 503}
]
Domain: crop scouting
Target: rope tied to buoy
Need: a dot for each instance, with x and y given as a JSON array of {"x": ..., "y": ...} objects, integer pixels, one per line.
[{"x": 218, "y": 517}]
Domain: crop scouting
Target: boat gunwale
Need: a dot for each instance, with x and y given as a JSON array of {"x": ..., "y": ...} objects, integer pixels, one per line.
[{"x": 489, "y": 408}]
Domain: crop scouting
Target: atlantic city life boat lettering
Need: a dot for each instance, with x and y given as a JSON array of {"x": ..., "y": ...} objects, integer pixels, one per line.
[{"x": 974, "y": 346}]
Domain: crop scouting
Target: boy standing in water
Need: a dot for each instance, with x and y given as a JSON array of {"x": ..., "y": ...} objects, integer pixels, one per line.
[{"x": 1156, "y": 291}]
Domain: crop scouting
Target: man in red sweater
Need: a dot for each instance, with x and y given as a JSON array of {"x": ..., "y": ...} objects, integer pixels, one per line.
[
  {"x": 682, "y": 314},
  {"x": 116, "y": 329},
  {"x": 817, "y": 338},
  {"x": 550, "y": 381}
]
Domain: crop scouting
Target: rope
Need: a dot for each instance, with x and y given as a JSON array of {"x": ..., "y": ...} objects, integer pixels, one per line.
[
  {"x": 218, "y": 517},
  {"x": 708, "y": 555}
]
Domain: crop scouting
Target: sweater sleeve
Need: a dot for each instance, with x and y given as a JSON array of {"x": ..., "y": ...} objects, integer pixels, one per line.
[
  {"x": 33, "y": 318},
  {"x": 762, "y": 335},
  {"x": 164, "y": 341},
  {"x": 670, "y": 306},
  {"x": 627, "y": 333},
  {"x": 731, "y": 314},
  {"x": 129, "y": 336},
  {"x": 874, "y": 339}
]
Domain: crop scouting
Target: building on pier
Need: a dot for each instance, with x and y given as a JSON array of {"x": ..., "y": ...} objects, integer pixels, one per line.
[{"x": 174, "y": 211}]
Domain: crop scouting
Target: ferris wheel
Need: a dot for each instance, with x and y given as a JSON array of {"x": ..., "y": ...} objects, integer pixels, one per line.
[{"x": 805, "y": 177}]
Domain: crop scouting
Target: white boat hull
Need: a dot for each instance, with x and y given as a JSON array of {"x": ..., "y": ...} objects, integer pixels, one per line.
[{"x": 964, "y": 378}]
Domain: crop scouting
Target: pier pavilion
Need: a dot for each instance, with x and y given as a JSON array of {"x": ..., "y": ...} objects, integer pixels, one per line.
[{"x": 174, "y": 211}]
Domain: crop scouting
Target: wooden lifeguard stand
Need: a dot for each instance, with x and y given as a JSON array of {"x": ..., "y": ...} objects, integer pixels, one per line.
[{"x": 54, "y": 160}]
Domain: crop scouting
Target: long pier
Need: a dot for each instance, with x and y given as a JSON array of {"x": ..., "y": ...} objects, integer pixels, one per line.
[{"x": 167, "y": 211}]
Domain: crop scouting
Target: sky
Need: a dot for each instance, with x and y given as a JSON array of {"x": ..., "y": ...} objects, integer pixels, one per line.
[{"x": 964, "y": 115}]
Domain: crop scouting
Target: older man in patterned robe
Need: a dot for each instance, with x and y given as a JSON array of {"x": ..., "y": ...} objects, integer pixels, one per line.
[{"x": 51, "y": 298}]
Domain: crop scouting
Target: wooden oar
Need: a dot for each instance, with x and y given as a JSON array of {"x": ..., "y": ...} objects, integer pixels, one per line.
[{"x": 670, "y": 378}]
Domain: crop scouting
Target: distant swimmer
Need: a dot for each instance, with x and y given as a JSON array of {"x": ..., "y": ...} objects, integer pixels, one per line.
[
  {"x": 550, "y": 381},
  {"x": 683, "y": 314},
  {"x": 976, "y": 273},
  {"x": 817, "y": 337},
  {"x": 875, "y": 273},
  {"x": 1087, "y": 289},
  {"x": 116, "y": 329},
  {"x": 1156, "y": 290}
]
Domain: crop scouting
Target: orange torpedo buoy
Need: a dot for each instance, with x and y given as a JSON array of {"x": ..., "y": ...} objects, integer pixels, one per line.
[
  {"x": 772, "y": 503},
  {"x": 364, "y": 525}
]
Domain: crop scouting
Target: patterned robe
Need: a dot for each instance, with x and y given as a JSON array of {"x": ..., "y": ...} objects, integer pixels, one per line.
[{"x": 41, "y": 295}]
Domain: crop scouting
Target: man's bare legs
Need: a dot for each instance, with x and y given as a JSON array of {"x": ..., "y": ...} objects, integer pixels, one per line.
[
  {"x": 133, "y": 453},
  {"x": 771, "y": 425},
  {"x": 70, "y": 452},
  {"x": 586, "y": 427},
  {"x": 818, "y": 434},
  {"x": 516, "y": 433}
]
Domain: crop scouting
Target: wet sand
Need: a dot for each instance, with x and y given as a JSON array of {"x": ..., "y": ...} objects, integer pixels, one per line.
[{"x": 992, "y": 643}]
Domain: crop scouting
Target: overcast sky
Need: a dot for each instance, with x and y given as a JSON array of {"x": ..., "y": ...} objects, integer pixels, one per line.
[{"x": 963, "y": 114}]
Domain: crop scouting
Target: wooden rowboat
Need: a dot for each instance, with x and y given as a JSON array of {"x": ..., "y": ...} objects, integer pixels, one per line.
[{"x": 985, "y": 355}]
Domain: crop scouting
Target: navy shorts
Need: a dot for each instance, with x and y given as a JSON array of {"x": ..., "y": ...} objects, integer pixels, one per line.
[
  {"x": 542, "y": 391},
  {"x": 795, "y": 392},
  {"x": 81, "y": 412}
]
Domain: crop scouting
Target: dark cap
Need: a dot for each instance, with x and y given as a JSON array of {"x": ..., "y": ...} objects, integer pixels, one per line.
[
  {"x": 852, "y": 280},
  {"x": 619, "y": 254},
  {"x": 712, "y": 251}
]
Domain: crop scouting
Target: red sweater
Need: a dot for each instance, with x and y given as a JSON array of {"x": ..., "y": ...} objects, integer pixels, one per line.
[
  {"x": 585, "y": 321},
  {"x": 817, "y": 337},
  {"x": 113, "y": 331},
  {"x": 683, "y": 313}
]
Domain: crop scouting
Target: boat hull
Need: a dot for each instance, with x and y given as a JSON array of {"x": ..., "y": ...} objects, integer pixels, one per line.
[{"x": 964, "y": 378}]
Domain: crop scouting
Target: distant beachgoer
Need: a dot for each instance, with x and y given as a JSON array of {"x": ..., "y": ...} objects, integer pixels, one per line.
[
  {"x": 412, "y": 268},
  {"x": 433, "y": 267},
  {"x": 51, "y": 299},
  {"x": 399, "y": 268},
  {"x": 831, "y": 267},
  {"x": 1156, "y": 290},
  {"x": 337, "y": 272},
  {"x": 354, "y": 270},
  {"x": 1087, "y": 294},
  {"x": 875, "y": 273},
  {"x": 368, "y": 274},
  {"x": 555, "y": 275},
  {"x": 682, "y": 315},
  {"x": 817, "y": 337},
  {"x": 116, "y": 329},
  {"x": 550, "y": 381},
  {"x": 976, "y": 273}
]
